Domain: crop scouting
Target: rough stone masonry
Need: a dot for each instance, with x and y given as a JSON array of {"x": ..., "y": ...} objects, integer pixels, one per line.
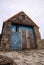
[{"x": 32, "y": 40}]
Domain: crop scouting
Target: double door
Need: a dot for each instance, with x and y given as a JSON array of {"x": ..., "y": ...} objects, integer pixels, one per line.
[{"x": 22, "y": 37}]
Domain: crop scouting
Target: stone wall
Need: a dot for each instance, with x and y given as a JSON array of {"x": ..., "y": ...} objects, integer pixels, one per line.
[
  {"x": 37, "y": 37},
  {"x": 6, "y": 34},
  {"x": 41, "y": 42},
  {"x": 0, "y": 39},
  {"x": 5, "y": 41}
]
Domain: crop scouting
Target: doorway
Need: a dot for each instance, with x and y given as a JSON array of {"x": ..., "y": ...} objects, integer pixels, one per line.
[{"x": 22, "y": 37}]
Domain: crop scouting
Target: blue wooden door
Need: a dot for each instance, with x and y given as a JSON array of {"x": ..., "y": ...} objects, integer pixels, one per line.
[
  {"x": 15, "y": 39},
  {"x": 28, "y": 34}
]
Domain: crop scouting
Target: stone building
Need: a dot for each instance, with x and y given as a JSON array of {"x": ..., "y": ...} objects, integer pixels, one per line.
[{"x": 19, "y": 33}]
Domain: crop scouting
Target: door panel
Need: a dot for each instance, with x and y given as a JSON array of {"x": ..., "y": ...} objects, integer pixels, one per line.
[
  {"x": 31, "y": 36},
  {"x": 15, "y": 39},
  {"x": 23, "y": 36},
  {"x": 27, "y": 37},
  {"x": 13, "y": 28},
  {"x": 24, "y": 45},
  {"x": 28, "y": 40}
]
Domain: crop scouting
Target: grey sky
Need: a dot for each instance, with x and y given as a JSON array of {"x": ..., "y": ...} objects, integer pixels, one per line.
[{"x": 33, "y": 8}]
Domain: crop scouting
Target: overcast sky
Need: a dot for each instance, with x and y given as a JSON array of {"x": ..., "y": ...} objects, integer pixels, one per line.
[{"x": 33, "y": 8}]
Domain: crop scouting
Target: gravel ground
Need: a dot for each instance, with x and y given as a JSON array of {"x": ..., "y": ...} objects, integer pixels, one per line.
[{"x": 28, "y": 57}]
